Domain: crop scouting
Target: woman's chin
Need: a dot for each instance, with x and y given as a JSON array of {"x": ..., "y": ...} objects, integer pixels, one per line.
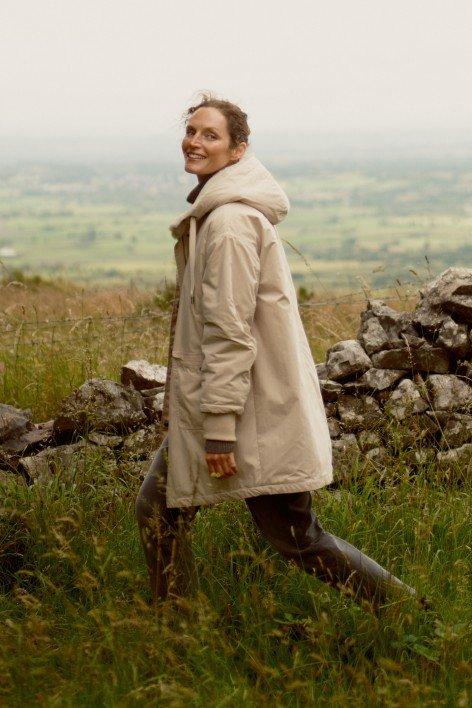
[
  {"x": 193, "y": 169},
  {"x": 196, "y": 170}
]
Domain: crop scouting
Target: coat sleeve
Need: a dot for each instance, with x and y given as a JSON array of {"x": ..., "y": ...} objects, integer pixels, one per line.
[{"x": 230, "y": 284}]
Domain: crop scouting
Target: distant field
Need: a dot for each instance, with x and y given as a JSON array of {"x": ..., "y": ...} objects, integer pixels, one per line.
[{"x": 350, "y": 223}]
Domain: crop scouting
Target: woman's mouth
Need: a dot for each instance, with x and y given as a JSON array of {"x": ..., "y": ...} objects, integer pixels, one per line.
[{"x": 194, "y": 156}]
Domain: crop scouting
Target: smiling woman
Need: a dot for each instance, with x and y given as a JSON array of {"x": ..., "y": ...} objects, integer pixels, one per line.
[{"x": 243, "y": 403}]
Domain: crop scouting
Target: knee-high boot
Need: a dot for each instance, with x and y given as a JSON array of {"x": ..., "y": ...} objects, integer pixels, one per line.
[
  {"x": 164, "y": 533},
  {"x": 291, "y": 526}
]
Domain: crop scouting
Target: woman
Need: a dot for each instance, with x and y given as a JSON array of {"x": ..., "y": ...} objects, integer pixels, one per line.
[{"x": 243, "y": 403}]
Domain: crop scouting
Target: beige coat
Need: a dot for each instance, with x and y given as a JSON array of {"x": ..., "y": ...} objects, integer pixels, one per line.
[{"x": 241, "y": 367}]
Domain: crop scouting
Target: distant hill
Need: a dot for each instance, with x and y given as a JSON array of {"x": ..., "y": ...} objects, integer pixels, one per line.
[{"x": 269, "y": 145}]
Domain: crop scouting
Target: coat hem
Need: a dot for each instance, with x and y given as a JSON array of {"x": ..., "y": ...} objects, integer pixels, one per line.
[{"x": 238, "y": 494}]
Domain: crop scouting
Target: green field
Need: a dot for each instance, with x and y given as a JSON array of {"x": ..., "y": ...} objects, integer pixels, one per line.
[{"x": 349, "y": 222}]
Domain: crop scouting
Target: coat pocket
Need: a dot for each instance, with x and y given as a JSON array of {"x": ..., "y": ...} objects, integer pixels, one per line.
[{"x": 187, "y": 387}]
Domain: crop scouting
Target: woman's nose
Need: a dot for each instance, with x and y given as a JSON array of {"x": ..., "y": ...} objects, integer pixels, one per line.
[{"x": 194, "y": 140}]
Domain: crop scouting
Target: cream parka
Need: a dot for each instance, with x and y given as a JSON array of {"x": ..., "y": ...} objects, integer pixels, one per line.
[{"x": 241, "y": 368}]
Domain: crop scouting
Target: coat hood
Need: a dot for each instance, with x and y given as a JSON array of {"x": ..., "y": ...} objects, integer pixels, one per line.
[{"x": 246, "y": 181}]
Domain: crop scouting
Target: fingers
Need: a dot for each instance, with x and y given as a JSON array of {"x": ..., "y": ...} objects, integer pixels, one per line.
[
  {"x": 221, "y": 465},
  {"x": 217, "y": 467}
]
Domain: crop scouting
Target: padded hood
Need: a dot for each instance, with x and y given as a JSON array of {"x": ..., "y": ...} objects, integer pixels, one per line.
[{"x": 246, "y": 181}]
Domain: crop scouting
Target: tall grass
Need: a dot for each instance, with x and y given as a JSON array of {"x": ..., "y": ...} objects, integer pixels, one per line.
[{"x": 75, "y": 624}]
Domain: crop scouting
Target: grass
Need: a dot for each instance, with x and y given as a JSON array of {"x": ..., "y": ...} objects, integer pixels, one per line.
[{"x": 75, "y": 625}]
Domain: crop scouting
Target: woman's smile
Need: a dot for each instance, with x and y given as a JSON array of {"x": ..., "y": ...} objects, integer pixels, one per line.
[{"x": 194, "y": 156}]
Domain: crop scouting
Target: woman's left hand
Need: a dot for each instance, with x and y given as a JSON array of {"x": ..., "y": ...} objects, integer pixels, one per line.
[{"x": 221, "y": 465}]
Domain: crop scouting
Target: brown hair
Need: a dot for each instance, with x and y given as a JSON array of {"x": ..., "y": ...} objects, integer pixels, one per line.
[{"x": 236, "y": 119}]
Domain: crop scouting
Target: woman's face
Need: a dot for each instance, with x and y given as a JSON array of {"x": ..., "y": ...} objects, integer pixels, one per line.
[{"x": 206, "y": 143}]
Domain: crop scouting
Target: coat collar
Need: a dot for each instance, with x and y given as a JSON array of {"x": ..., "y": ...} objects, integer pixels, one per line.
[
  {"x": 246, "y": 181},
  {"x": 191, "y": 197}
]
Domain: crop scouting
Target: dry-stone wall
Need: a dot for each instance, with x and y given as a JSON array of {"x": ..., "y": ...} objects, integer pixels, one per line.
[
  {"x": 115, "y": 421},
  {"x": 406, "y": 371}
]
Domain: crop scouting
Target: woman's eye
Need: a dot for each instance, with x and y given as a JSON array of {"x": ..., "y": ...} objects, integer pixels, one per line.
[{"x": 211, "y": 136}]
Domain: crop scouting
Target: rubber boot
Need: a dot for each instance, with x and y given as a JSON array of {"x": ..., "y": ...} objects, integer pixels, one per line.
[
  {"x": 289, "y": 523},
  {"x": 165, "y": 534}
]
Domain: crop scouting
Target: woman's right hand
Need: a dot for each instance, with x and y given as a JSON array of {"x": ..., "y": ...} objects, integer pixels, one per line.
[{"x": 221, "y": 464}]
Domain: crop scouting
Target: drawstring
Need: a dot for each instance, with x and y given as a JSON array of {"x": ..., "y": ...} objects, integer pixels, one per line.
[{"x": 191, "y": 255}]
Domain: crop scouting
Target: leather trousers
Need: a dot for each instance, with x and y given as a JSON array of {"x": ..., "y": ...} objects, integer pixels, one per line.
[{"x": 287, "y": 521}]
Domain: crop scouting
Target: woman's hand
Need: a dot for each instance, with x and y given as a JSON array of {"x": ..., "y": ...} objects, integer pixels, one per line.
[{"x": 221, "y": 465}]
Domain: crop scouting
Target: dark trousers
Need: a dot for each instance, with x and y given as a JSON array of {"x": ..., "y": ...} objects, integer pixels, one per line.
[{"x": 286, "y": 520}]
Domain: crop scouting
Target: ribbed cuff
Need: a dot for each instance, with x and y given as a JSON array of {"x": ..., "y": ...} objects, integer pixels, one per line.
[
  {"x": 219, "y": 446},
  {"x": 219, "y": 426}
]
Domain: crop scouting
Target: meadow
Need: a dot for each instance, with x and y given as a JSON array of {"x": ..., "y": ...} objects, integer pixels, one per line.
[
  {"x": 76, "y": 624},
  {"x": 350, "y": 221}
]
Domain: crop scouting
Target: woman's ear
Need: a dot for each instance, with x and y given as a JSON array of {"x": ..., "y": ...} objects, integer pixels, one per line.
[{"x": 239, "y": 151}]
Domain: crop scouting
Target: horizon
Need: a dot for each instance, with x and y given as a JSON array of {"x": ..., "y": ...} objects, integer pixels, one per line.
[{"x": 272, "y": 145}]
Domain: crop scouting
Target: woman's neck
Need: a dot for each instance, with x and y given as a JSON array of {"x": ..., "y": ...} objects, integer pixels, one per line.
[{"x": 202, "y": 180}]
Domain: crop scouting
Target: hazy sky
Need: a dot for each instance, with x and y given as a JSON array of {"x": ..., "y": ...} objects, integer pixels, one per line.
[{"x": 132, "y": 66}]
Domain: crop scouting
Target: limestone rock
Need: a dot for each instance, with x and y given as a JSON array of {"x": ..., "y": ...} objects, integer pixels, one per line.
[
  {"x": 449, "y": 392},
  {"x": 454, "y": 337},
  {"x": 457, "y": 430},
  {"x": 426, "y": 358},
  {"x": 345, "y": 454},
  {"x": 321, "y": 371},
  {"x": 101, "y": 405},
  {"x": 37, "y": 437},
  {"x": 42, "y": 467},
  {"x": 374, "y": 380},
  {"x": 330, "y": 390},
  {"x": 103, "y": 440},
  {"x": 448, "y": 294},
  {"x": 385, "y": 328},
  {"x": 372, "y": 336},
  {"x": 65, "y": 461},
  {"x": 141, "y": 443},
  {"x": 151, "y": 392},
  {"x": 153, "y": 406},
  {"x": 143, "y": 375},
  {"x": 346, "y": 359},
  {"x": 406, "y": 400},
  {"x": 460, "y": 456},
  {"x": 358, "y": 413},
  {"x": 13, "y": 422}
]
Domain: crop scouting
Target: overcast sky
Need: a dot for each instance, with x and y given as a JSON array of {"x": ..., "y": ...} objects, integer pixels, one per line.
[{"x": 132, "y": 66}]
